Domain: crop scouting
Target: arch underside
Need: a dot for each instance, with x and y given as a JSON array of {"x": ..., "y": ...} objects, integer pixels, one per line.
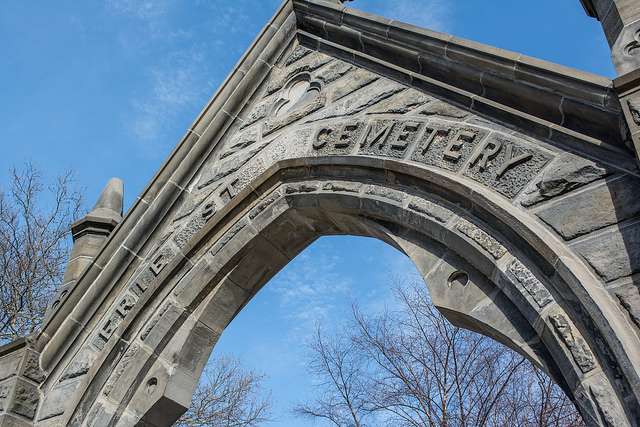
[{"x": 510, "y": 296}]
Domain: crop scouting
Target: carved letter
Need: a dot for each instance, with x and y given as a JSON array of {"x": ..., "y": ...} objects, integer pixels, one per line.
[
  {"x": 433, "y": 134},
  {"x": 125, "y": 305},
  {"x": 345, "y": 134},
  {"x": 490, "y": 150},
  {"x": 159, "y": 263},
  {"x": 321, "y": 139},
  {"x": 452, "y": 152},
  {"x": 401, "y": 140},
  {"x": 209, "y": 210},
  {"x": 138, "y": 288},
  {"x": 512, "y": 161},
  {"x": 379, "y": 137},
  {"x": 230, "y": 192}
]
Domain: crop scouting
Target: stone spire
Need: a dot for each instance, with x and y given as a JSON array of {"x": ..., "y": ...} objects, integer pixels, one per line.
[
  {"x": 105, "y": 215},
  {"x": 89, "y": 234}
]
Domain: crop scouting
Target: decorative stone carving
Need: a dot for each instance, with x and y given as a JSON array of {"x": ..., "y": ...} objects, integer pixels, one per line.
[
  {"x": 529, "y": 281},
  {"x": 484, "y": 240},
  {"x": 574, "y": 342}
]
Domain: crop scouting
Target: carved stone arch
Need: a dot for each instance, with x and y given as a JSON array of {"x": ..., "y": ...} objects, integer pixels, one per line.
[
  {"x": 439, "y": 224},
  {"x": 503, "y": 178}
]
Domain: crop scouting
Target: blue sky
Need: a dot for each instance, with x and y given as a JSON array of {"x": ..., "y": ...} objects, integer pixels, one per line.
[{"x": 111, "y": 86}]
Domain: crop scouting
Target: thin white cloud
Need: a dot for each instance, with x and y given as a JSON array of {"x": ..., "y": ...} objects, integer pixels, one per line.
[
  {"x": 144, "y": 10},
  {"x": 430, "y": 14},
  {"x": 180, "y": 82}
]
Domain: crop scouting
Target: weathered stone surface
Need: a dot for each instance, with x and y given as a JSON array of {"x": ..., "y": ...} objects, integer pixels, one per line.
[
  {"x": 316, "y": 101},
  {"x": 574, "y": 342},
  {"x": 402, "y": 103},
  {"x": 225, "y": 168},
  {"x": 430, "y": 209},
  {"x": 357, "y": 80},
  {"x": 586, "y": 211},
  {"x": 622, "y": 249},
  {"x": 529, "y": 281},
  {"x": 362, "y": 99},
  {"x": 121, "y": 370},
  {"x": 195, "y": 224},
  {"x": 442, "y": 109},
  {"x": 6, "y": 391},
  {"x": 240, "y": 142},
  {"x": 482, "y": 238},
  {"x": 630, "y": 300},
  {"x": 564, "y": 174},
  {"x": 31, "y": 368},
  {"x": 79, "y": 366},
  {"x": 10, "y": 365},
  {"x": 298, "y": 53},
  {"x": 610, "y": 413},
  {"x": 446, "y": 146},
  {"x": 25, "y": 399},
  {"x": 506, "y": 165},
  {"x": 333, "y": 72}
]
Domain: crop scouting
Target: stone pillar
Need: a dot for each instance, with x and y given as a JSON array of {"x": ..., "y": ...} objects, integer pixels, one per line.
[
  {"x": 621, "y": 24},
  {"x": 89, "y": 234}
]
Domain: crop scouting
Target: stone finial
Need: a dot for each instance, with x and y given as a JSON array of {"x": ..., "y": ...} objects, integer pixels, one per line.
[
  {"x": 105, "y": 215},
  {"x": 111, "y": 199}
]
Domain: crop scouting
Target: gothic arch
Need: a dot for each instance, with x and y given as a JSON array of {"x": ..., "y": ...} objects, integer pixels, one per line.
[
  {"x": 521, "y": 290},
  {"x": 507, "y": 171}
]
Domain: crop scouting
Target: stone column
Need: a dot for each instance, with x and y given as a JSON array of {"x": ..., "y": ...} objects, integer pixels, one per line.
[{"x": 621, "y": 24}]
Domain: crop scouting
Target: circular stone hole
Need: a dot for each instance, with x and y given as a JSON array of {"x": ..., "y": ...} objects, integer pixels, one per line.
[
  {"x": 459, "y": 278},
  {"x": 152, "y": 384}
]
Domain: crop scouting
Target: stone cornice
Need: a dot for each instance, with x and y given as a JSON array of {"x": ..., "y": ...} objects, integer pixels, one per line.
[{"x": 564, "y": 105}]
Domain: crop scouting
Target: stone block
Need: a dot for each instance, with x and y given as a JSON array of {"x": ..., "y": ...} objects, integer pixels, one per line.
[
  {"x": 197, "y": 283},
  {"x": 10, "y": 364},
  {"x": 57, "y": 399},
  {"x": 126, "y": 373},
  {"x": 221, "y": 305},
  {"x": 583, "y": 212},
  {"x": 613, "y": 254},
  {"x": 6, "y": 394},
  {"x": 195, "y": 353},
  {"x": 163, "y": 325},
  {"x": 31, "y": 367},
  {"x": 565, "y": 173},
  {"x": 25, "y": 399},
  {"x": 80, "y": 365},
  {"x": 8, "y": 420},
  {"x": 257, "y": 266},
  {"x": 295, "y": 230}
]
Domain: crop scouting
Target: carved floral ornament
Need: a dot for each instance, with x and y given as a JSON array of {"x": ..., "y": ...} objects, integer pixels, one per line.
[{"x": 298, "y": 91}]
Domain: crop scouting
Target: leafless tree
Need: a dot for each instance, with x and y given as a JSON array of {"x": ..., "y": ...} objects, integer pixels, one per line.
[
  {"x": 34, "y": 245},
  {"x": 411, "y": 367},
  {"x": 228, "y": 395}
]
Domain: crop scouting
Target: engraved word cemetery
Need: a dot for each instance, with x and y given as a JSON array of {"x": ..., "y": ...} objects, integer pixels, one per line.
[{"x": 511, "y": 183}]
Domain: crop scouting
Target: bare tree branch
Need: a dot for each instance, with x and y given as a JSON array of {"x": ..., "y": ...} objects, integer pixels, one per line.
[
  {"x": 228, "y": 395},
  {"x": 34, "y": 245},
  {"x": 411, "y": 367}
]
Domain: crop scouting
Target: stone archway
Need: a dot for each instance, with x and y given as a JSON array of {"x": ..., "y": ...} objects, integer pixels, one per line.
[
  {"x": 288, "y": 209},
  {"x": 503, "y": 169}
]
